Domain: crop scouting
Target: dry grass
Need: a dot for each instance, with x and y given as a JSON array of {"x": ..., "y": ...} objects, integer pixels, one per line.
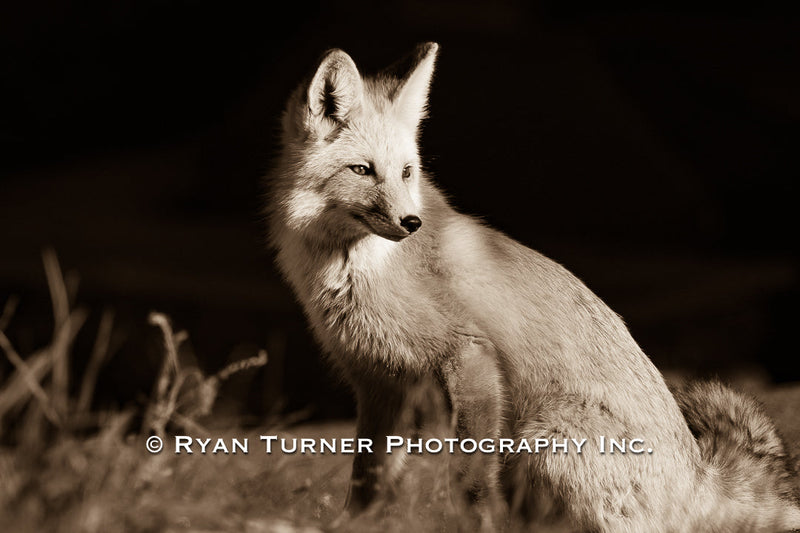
[{"x": 70, "y": 469}]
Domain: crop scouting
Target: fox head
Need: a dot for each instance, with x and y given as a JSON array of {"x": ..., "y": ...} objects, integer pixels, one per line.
[{"x": 350, "y": 164}]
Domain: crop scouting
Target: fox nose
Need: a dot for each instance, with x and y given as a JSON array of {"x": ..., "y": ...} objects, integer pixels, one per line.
[{"x": 411, "y": 223}]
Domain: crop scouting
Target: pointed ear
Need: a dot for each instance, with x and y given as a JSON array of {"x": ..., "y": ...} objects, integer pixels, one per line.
[
  {"x": 335, "y": 90},
  {"x": 411, "y": 98}
]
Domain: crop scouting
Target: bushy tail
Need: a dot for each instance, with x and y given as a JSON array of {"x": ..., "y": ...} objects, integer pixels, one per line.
[{"x": 752, "y": 471}]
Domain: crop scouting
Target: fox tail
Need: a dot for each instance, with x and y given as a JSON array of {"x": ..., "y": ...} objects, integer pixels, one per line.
[{"x": 750, "y": 470}]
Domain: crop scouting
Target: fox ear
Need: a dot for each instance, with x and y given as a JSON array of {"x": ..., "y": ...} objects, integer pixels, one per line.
[
  {"x": 411, "y": 98},
  {"x": 335, "y": 90}
]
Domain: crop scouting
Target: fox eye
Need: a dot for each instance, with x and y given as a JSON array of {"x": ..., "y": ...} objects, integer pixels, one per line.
[
  {"x": 407, "y": 172},
  {"x": 361, "y": 170}
]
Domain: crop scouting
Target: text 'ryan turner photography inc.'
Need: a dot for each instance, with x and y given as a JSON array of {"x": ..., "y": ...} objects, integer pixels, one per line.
[{"x": 184, "y": 444}]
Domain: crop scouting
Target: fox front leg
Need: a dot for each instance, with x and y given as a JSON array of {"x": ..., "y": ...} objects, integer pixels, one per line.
[
  {"x": 475, "y": 386},
  {"x": 380, "y": 413}
]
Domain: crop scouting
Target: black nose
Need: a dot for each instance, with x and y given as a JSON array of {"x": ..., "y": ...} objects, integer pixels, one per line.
[{"x": 411, "y": 223}]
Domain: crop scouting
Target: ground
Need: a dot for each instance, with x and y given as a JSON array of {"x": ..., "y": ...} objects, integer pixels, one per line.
[{"x": 109, "y": 482}]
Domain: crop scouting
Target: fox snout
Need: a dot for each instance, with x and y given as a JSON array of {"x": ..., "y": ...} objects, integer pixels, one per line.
[
  {"x": 392, "y": 213},
  {"x": 392, "y": 228}
]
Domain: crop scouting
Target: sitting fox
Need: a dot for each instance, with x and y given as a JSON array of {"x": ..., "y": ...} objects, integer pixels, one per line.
[{"x": 405, "y": 293}]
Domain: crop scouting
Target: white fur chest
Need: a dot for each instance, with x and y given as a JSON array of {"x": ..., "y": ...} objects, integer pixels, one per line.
[
  {"x": 366, "y": 307},
  {"x": 311, "y": 271},
  {"x": 338, "y": 287}
]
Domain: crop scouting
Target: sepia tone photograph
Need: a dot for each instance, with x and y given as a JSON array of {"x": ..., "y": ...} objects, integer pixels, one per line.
[{"x": 407, "y": 266}]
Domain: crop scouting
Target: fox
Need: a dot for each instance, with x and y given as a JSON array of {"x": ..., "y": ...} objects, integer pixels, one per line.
[{"x": 405, "y": 294}]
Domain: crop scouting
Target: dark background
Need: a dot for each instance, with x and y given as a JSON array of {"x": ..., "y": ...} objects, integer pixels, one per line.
[{"x": 650, "y": 149}]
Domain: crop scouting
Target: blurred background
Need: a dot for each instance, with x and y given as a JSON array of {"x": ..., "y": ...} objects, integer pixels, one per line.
[{"x": 652, "y": 150}]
